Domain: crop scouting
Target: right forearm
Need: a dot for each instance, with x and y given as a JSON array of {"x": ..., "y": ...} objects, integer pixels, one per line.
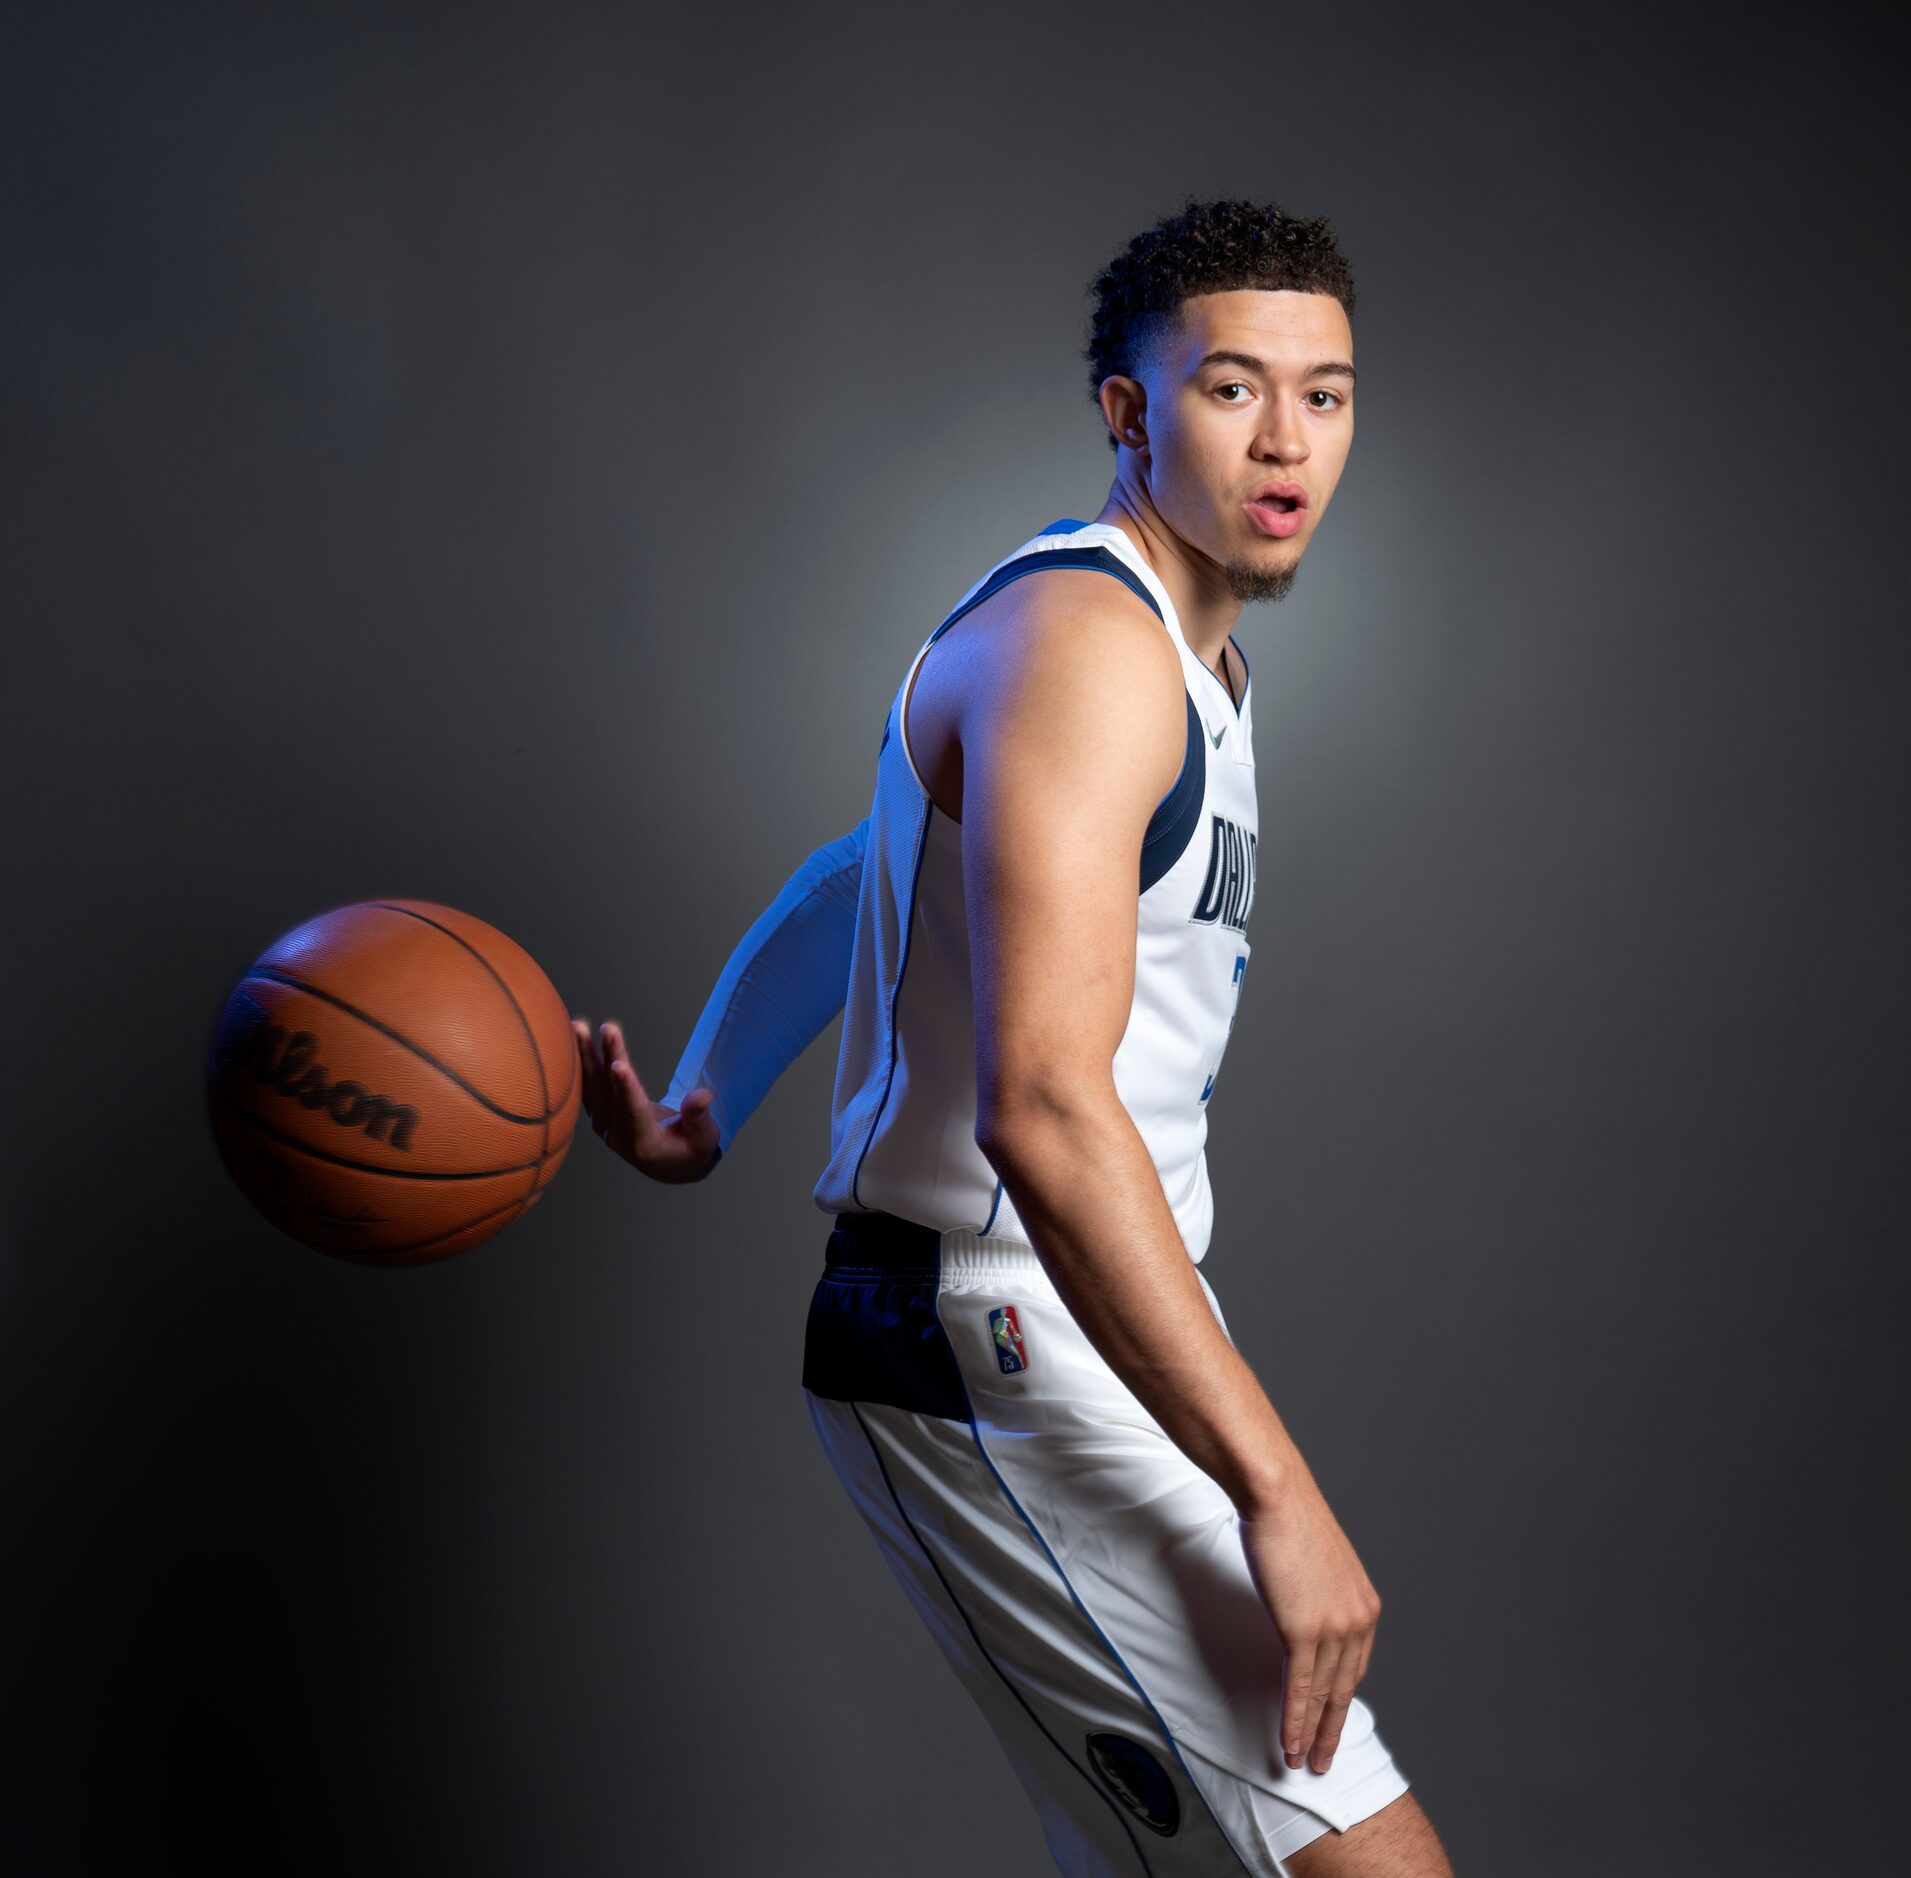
[{"x": 1087, "y": 1190}]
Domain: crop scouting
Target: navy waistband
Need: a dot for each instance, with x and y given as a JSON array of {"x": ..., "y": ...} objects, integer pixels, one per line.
[{"x": 883, "y": 1241}]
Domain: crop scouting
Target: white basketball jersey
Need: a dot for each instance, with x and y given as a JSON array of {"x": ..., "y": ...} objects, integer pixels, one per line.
[{"x": 902, "y": 1128}]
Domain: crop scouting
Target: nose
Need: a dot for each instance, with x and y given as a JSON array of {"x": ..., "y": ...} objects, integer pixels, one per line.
[{"x": 1281, "y": 438}]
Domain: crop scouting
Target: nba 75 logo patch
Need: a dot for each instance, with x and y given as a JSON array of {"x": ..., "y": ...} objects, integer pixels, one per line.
[{"x": 1007, "y": 1334}]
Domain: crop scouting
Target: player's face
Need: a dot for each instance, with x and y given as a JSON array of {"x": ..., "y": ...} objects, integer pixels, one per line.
[{"x": 1251, "y": 388}]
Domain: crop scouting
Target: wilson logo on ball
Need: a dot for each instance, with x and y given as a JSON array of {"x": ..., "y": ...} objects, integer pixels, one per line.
[{"x": 249, "y": 1040}]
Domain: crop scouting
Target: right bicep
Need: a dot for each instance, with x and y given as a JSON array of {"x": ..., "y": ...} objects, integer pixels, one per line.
[{"x": 1072, "y": 738}]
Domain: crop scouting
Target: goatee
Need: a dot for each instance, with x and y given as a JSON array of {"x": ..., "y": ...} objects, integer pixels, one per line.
[{"x": 1248, "y": 582}]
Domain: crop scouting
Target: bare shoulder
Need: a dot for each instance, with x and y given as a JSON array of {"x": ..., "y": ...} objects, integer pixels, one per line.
[
  {"x": 1077, "y": 612},
  {"x": 1068, "y": 676},
  {"x": 1082, "y": 670}
]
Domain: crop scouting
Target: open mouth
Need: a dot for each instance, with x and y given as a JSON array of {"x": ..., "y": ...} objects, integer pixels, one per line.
[
  {"x": 1276, "y": 512},
  {"x": 1280, "y": 495}
]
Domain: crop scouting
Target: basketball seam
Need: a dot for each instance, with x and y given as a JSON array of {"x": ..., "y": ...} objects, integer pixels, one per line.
[
  {"x": 274, "y": 975},
  {"x": 530, "y": 1035},
  {"x": 418, "y": 1245}
]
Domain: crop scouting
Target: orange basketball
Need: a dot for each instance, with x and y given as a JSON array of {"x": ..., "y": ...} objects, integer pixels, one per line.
[{"x": 393, "y": 1082}]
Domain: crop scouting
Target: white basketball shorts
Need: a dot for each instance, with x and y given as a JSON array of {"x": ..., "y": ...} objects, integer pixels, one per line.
[{"x": 1084, "y": 1578}]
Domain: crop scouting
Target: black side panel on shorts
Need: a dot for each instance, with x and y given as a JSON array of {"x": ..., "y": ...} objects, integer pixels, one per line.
[{"x": 874, "y": 1336}]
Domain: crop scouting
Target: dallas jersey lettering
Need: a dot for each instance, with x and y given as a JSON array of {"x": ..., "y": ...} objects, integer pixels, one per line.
[{"x": 902, "y": 1130}]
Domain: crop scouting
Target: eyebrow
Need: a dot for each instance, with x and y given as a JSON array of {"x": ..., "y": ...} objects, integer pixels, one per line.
[{"x": 1328, "y": 368}]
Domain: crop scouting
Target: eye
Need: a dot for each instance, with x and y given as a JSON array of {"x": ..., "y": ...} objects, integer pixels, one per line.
[
  {"x": 1233, "y": 384},
  {"x": 1321, "y": 391}
]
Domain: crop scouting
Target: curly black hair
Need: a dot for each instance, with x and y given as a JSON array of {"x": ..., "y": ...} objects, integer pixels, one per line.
[{"x": 1204, "y": 247}]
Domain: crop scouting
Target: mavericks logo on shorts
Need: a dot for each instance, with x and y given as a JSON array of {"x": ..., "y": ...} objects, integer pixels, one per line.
[
  {"x": 1007, "y": 1334},
  {"x": 1138, "y": 1781}
]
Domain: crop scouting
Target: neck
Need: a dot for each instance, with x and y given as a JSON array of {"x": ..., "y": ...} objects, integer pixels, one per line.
[{"x": 1199, "y": 589}]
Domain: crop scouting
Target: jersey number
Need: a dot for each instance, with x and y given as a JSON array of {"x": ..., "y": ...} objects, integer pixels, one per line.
[{"x": 1240, "y": 967}]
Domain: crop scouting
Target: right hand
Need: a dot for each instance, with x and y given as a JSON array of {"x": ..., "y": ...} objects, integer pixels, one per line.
[
  {"x": 1326, "y": 1610},
  {"x": 668, "y": 1144}
]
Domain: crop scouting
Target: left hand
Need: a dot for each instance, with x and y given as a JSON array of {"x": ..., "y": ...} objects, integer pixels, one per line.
[{"x": 671, "y": 1145}]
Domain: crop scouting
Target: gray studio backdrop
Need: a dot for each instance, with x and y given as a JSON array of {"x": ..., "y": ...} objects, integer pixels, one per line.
[{"x": 509, "y": 459}]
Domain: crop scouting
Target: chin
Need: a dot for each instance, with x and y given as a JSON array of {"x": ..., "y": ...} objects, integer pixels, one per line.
[{"x": 1260, "y": 578}]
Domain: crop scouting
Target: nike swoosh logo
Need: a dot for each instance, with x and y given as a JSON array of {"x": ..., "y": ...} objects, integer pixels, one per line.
[{"x": 1215, "y": 736}]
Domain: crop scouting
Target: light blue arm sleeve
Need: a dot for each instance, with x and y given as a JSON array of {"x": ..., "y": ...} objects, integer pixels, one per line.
[{"x": 786, "y": 979}]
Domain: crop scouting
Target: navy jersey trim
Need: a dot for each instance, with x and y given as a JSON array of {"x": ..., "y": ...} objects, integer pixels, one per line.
[
  {"x": 1171, "y": 827},
  {"x": 1247, "y": 674},
  {"x": 1098, "y": 560}
]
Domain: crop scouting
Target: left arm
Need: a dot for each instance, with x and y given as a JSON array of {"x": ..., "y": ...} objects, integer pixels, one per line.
[{"x": 785, "y": 979}]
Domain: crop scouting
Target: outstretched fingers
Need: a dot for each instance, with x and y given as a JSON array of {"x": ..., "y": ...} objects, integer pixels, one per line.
[
  {"x": 591, "y": 1070},
  {"x": 630, "y": 1105}
]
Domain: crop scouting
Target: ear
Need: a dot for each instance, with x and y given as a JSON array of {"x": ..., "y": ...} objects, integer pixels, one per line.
[{"x": 1124, "y": 408}]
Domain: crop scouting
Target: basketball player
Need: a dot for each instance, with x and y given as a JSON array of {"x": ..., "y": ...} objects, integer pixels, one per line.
[{"x": 1013, "y": 1360}]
